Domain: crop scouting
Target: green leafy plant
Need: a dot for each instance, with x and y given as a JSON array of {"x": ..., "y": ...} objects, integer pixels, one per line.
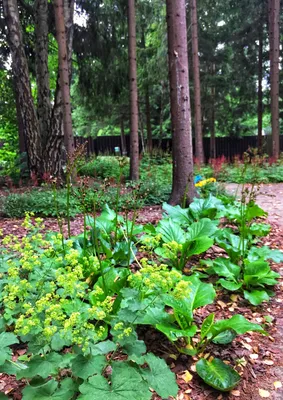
[{"x": 176, "y": 245}]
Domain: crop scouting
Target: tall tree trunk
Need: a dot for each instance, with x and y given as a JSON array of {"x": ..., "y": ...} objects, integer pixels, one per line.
[
  {"x": 259, "y": 93},
  {"x": 41, "y": 68},
  {"x": 134, "y": 114},
  {"x": 273, "y": 12},
  {"x": 161, "y": 116},
  {"x": 197, "y": 90},
  {"x": 123, "y": 139},
  {"x": 64, "y": 76},
  {"x": 148, "y": 121},
  {"x": 212, "y": 119},
  {"x": 183, "y": 189},
  {"x": 22, "y": 85},
  {"x": 53, "y": 155},
  {"x": 69, "y": 6}
]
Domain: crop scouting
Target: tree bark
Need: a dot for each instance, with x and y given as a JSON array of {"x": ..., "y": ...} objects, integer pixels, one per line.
[
  {"x": 41, "y": 68},
  {"x": 134, "y": 114},
  {"x": 64, "y": 76},
  {"x": 212, "y": 119},
  {"x": 183, "y": 189},
  {"x": 54, "y": 157},
  {"x": 123, "y": 139},
  {"x": 273, "y": 13},
  {"x": 197, "y": 89},
  {"x": 148, "y": 122},
  {"x": 22, "y": 85},
  {"x": 260, "y": 94}
]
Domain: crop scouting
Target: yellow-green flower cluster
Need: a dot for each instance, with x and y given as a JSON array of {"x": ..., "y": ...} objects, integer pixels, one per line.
[
  {"x": 124, "y": 331},
  {"x": 101, "y": 309},
  {"x": 172, "y": 249},
  {"x": 46, "y": 293},
  {"x": 158, "y": 278},
  {"x": 154, "y": 277},
  {"x": 150, "y": 242},
  {"x": 205, "y": 182}
]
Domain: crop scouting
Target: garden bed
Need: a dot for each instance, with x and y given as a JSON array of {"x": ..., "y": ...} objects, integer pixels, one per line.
[{"x": 256, "y": 357}]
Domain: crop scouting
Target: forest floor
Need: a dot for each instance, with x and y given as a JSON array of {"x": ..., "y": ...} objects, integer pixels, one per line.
[{"x": 259, "y": 358}]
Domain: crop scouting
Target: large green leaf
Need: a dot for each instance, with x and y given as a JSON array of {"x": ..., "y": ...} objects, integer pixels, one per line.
[
  {"x": 259, "y": 229},
  {"x": 83, "y": 367},
  {"x": 201, "y": 208},
  {"x": 170, "y": 231},
  {"x": 265, "y": 253},
  {"x": 42, "y": 366},
  {"x": 204, "y": 227},
  {"x": 256, "y": 297},
  {"x": 159, "y": 376},
  {"x": 255, "y": 270},
  {"x": 126, "y": 384},
  {"x": 198, "y": 246},
  {"x": 224, "y": 267},
  {"x": 3, "y": 397},
  {"x": 230, "y": 285},
  {"x": 177, "y": 214},
  {"x": 207, "y": 325},
  {"x": 258, "y": 273},
  {"x": 50, "y": 390},
  {"x": 114, "y": 279},
  {"x": 217, "y": 374},
  {"x": 238, "y": 323},
  {"x": 174, "y": 333},
  {"x": 103, "y": 348},
  {"x": 254, "y": 211},
  {"x": 43, "y": 392},
  {"x": 6, "y": 340},
  {"x": 231, "y": 243},
  {"x": 199, "y": 295},
  {"x": 225, "y": 337}
]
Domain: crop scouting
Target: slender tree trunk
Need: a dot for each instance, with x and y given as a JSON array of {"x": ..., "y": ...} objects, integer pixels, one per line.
[
  {"x": 134, "y": 114},
  {"x": 141, "y": 128},
  {"x": 197, "y": 90},
  {"x": 183, "y": 189},
  {"x": 21, "y": 129},
  {"x": 260, "y": 94},
  {"x": 22, "y": 85},
  {"x": 148, "y": 122},
  {"x": 69, "y": 6},
  {"x": 41, "y": 68},
  {"x": 123, "y": 139},
  {"x": 212, "y": 119},
  {"x": 273, "y": 12},
  {"x": 161, "y": 117},
  {"x": 64, "y": 76},
  {"x": 54, "y": 157}
]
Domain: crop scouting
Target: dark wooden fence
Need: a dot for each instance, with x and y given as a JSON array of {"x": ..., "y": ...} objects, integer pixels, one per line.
[{"x": 225, "y": 146}]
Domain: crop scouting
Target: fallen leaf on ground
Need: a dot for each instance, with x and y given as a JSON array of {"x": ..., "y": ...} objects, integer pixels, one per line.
[
  {"x": 263, "y": 393},
  {"x": 277, "y": 384},
  {"x": 187, "y": 376}
]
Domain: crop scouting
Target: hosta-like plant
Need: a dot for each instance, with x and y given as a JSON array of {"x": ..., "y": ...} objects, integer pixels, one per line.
[
  {"x": 177, "y": 245},
  {"x": 155, "y": 289},
  {"x": 254, "y": 278}
]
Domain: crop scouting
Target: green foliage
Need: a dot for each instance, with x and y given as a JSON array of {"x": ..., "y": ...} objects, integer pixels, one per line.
[
  {"x": 105, "y": 167},
  {"x": 218, "y": 374},
  {"x": 176, "y": 245}
]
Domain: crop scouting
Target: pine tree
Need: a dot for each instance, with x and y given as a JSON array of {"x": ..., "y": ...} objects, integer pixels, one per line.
[{"x": 182, "y": 150}]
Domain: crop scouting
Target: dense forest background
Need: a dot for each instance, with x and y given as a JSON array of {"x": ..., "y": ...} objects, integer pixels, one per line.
[{"x": 234, "y": 63}]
